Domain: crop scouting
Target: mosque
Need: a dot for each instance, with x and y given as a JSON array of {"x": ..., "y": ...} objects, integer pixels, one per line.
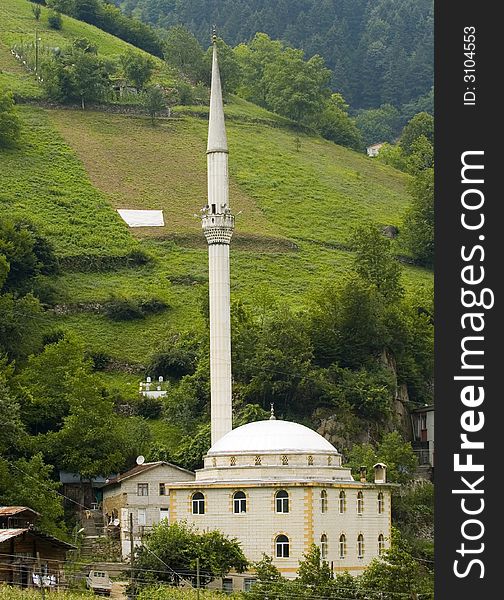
[{"x": 276, "y": 486}]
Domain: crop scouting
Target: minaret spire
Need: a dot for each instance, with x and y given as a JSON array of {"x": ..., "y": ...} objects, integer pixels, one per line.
[{"x": 218, "y": 225}]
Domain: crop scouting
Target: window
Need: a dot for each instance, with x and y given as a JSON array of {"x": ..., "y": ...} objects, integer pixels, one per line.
[
  {"x": 227, "y": 584},
  {"x": 329, "y": 461},
  {"x": 198, "y": 504},
  {"x": 342, "y": 502},
  {"x": 310, "y": 461},
  {"x": 239, "y": 503},
  {"x": 164, "y": 513},
  {"x": 282, "y": 502},
  {"x": 381, "y": 544},
  {"x": 142, "y": 516},
  {"x": 360, "y": 546},
  {"x": 285, "y": 460},
  {"x": 381, "y": 503},
  {"x": 323, "y": 501},
  {"x": 248, "y": 584},
  {"x": 232, "y": 461},
  {"x": 142, "y": 489},
  {"x": 162, "y": 489},
  {"x": 323, "y": 546},
  {"x": 257, "y": 461},
  {"x": 282, "y": 546},
  {"x": 360, "y": 503},
  {"x": 342, "y": 545}
]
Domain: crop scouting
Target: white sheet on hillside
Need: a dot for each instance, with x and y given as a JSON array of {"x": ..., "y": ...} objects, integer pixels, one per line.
[{"x": 142, "y": 218}]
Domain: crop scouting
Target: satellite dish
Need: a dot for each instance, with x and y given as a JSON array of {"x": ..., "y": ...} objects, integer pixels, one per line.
[
  {"x": 140, "y": 460},
  {"x": 116, "y": 522}
]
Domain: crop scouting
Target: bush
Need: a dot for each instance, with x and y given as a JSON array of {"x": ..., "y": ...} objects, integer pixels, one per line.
[
  {"x": 149, "y": 408},
  {"x": 100, "y": 359},
  {"x": 54, "y": 20},
  {"x": 129, "y": 309},
  {"x": 10, "y": 127}
]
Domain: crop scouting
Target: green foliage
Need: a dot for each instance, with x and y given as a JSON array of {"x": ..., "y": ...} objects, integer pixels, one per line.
[
  {"x": 397, "y": 571},
  {"x": 76, "y": 74},
  {"x": 10, "y": 125},
  {"x": 36, "y": 11},
  {"x": 379, "y": 124},
  {"x": 177, "y": 358},
  {"x": 179, "y": 545},
  {"x": 154, "y": 102},
  {"x": 28, "y": 482},
  {"x": 374, "y": 262},
  {"x": 397, "y": 454},
  {"x": 420, "y": 125},
  {"x": 336, "y": 125},
  {"x": 22, "y": 323},
  {"x": 137, "y": 68},
  {"x": 229, "y": 67},
  {"x": 55, "y": 20},
  {"x": 413, "y": 513},
  {"x": 12, "y": 433},
  {"x": 127, "y": 309},
  {"x": 419, "y": 222},
  {"x": 183, "y": 51}
]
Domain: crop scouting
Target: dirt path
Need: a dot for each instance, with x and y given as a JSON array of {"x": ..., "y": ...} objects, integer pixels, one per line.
[{"x": 118, "y": 590}]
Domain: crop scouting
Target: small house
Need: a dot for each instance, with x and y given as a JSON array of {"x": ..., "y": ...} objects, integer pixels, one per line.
[{"x": 374, "y": 149}]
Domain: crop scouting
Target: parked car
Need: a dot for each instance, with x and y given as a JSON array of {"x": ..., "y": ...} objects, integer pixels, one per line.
[{"x": 99, "y": 582}]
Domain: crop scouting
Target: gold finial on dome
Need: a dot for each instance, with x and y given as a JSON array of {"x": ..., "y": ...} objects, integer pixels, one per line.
[{"x": 272, "y": 412}]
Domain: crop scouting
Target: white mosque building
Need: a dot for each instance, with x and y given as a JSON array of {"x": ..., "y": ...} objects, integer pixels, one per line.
[{"x": 276, "y": 486}]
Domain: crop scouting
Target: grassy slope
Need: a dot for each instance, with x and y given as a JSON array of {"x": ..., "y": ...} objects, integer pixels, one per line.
[{"x": 74, "y": 167}]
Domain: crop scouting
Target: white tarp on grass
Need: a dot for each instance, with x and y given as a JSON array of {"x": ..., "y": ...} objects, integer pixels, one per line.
[{"x": 142, "y": 218}]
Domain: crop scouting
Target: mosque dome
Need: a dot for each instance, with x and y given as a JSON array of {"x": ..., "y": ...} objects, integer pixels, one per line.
[{"x": 272, "y": 437}]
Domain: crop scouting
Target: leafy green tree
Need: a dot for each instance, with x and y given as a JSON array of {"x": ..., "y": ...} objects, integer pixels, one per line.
[
  {"x": 154, "y": 102},
  {"x": 28, "y": 482},
  {"x": 379, "y": 124},
  {"x": 374, "y": 262},
  {"x": 335, "y": 124},
  {"x": 269, "y": 581},
  {"x": 22, "y": 323},
  {"x": 36, "y": 10},
  {"x": 397, "y": 572},
  {"x": 193, "y": 447},
  {"x": 183, "y": 51},
  {"x": 421, "y": 124},
  {"x": 397, "y": 454},
  {"x": 296, "y": 89},
  {"x": 419, "y": 222},
  {"x": 137, "y": 67},
  {"x": 12, "y": 433},
  {"x": 313, "y": 572},
  {"x": 179, "y": 545},
  {"x": 392, "y": 154},
  {"x": 229, "y": 67},
  {"x": 10, "y": 125},
  {"x": 55, "y": 20},
  {"x": 421, "y": 156}
]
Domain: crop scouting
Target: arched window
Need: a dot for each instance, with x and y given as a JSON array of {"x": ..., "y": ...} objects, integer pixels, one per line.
[
  {"x": 360, "y": 546},
  {"x": 381, "y": 544},
  {"x": 323, "y": 501},
  {"x": 323, "y": 546},
  {"x": 239, "y": 503},
  {"x": 198, "y": 504},
  {"x": 360, "y": 503},
  {"x": 342, "y": 545},
  {"x": 282, "y": 546},
  {"x": 342, "y": 502},
  {"x": 282, "y": 502},
  {"x": 381, "y": 503}
]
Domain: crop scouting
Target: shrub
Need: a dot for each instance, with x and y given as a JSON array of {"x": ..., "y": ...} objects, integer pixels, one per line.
[
  {"x": 100, "y": 359},
  {"x": 54, "y": 20},
  {"x": 123, "y": 309},
  {"x": 149, "y": 408},
  {"x": 10, "y": 127}
]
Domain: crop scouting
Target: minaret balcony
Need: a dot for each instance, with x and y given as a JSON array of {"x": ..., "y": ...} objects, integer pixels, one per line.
[{"x": 218, "y": 228}]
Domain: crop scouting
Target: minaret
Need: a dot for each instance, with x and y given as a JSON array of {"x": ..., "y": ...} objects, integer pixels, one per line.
[{"x": 218, "y": 225}]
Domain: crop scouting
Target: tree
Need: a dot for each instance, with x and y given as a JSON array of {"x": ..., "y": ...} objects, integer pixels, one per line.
[
  {"x": 179, "y": 545},
  {"x": 313, "y": 572},
  {"x": 336, "y": 125},
  {"x": 36, "y": 11},
  {"x": 397, "y": 454},
  {"x": 10, "y": 125},
  {"x": 374, "y": 262},
  {"x": 54, "y": 20},
  {"x": 183, "y": 51},
  {"x": 12, "y": 433},
  {"x": 154, "y": 102},
  {"x": 137, "y": 68},
  {"x": 379, "y": 124},
  {"x": 22, "y": 322},
  {"x": 397, "y": 572},
  {"x": 419, "y": 222},
  {"x": 421, "y": 124},
  {"x": 229, "y": 67}
]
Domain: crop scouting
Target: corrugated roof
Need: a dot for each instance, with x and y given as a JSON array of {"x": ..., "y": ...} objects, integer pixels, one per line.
[
  {"x": 9, "y": 511},
  {"x": 7, "y": 534}
]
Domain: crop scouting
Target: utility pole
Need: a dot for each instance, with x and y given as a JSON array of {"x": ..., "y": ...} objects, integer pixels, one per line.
[
  {"x": 197, "y": 579},
  {"x": 132, "y": 552}
]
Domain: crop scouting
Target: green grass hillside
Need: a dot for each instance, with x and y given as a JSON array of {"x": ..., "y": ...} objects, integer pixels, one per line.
[{"x": 298, "y": 197}]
